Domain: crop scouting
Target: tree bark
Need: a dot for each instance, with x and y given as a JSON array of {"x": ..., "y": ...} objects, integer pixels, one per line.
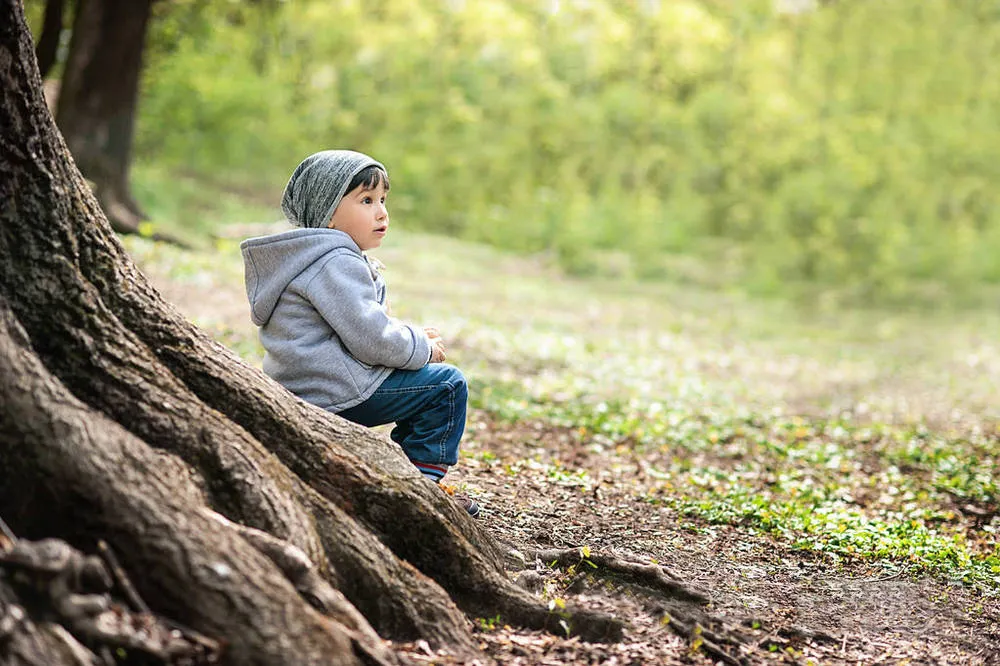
[
  {"x": 98, "y": 97},
  {"x": 27, "y": 643},
  {"x": 121, "y": 421},
  {"x": 221, "y": 583}
]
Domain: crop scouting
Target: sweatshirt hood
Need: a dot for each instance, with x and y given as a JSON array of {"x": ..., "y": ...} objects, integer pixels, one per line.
[
  {"x": 270, "y": 263},
  {"x": 318, "y": 184}
]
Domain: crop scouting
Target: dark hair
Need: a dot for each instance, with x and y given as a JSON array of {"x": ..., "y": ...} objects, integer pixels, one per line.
[{"x": 368, "y": 178}]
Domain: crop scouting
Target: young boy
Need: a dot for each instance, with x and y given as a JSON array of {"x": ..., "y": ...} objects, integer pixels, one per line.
[{"x": 320, "y": 303}]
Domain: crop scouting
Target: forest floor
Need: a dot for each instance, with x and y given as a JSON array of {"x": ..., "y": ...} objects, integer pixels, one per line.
[{"x": 829, "y": 478}]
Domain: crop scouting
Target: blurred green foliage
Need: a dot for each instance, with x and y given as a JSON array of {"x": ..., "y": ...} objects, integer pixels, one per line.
[{"x": 851, "y": 144}]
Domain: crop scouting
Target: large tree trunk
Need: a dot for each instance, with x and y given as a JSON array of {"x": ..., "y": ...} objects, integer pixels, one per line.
[
  {"x": 121, "y": 421},
  {"x": 97, "y": 99}
]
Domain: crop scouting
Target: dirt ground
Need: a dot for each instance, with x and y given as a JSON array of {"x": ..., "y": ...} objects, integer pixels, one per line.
[
  {"x": 783, "y": 606},
  {"x": 768, "y": 603}
]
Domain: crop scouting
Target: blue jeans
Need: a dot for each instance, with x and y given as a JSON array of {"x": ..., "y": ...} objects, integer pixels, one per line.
[{"x": 428, "y": 407}]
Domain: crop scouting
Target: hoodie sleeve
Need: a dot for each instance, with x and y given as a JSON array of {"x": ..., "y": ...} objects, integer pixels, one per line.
[{"x": 343, "y": 293}]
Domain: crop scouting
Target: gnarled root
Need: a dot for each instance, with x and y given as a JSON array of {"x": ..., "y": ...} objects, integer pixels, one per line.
[{"x": 646, "y": 574}]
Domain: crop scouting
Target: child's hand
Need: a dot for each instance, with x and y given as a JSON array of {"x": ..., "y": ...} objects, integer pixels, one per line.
[
  {"x": 437, "y": 345},
  {"x": 437, "y": 351}
]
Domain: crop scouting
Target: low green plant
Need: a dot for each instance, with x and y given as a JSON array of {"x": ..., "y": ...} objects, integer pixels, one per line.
[{"x": 489, "y": 623}]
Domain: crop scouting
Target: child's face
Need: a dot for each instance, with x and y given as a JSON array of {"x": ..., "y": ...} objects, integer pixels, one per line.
[{"x": 362, "y": 215}]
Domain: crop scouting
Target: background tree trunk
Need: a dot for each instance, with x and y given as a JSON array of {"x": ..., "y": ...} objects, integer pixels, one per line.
[
  {"x": 47, "y": 50},
  {"x": 98, "y": 97},
  {"x": 121, "y": 421}
]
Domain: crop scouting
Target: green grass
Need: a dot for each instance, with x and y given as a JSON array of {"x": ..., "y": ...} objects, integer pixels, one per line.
[
  {"x": 193, "y": 209},
  {"x": 864, "y": 435}
]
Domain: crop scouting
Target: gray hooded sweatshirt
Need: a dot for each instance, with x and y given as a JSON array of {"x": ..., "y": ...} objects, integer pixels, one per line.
[
  {"x": 321, "y": 311},
  {"x": 318, "y": 302}
]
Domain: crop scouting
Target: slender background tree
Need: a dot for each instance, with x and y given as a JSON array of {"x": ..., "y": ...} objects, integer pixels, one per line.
[
  {"x": 48, "y": 42},
  {"x": 98, "y": 96}
]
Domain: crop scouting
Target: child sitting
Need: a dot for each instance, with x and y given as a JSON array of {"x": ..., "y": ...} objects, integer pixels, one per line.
[{"x": 320, "y": 303}]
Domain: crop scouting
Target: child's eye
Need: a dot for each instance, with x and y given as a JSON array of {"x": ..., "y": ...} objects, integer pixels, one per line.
[{"x": 366, "y": 200}]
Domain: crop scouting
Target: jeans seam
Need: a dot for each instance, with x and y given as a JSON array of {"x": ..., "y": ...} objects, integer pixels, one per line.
[
  {"x": 415, "y": 389},
  {"x": 442, "y": 447}
]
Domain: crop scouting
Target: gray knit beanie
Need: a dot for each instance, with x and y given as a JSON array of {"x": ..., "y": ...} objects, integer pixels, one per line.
[{"x": 318, "y": 184}]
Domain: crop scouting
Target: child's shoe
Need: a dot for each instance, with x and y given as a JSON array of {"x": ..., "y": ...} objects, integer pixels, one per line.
[{"x": 470, "y": 505}]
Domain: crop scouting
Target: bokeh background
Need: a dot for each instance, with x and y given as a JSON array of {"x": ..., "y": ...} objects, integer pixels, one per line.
[{"x": 783, "y": 147}]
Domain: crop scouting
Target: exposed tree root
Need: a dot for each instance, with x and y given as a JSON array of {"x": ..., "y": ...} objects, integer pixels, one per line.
[
  {"x": 702, "y": 632},
  {"x": 693, "y": 628},
  {"x": 647, "y": 574},
  {"x": 211, "y": 578},
  {"x": 25, "y": 642},
  {"x": 303, "y": 575},
  {"x": 73, "y": 591}
]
